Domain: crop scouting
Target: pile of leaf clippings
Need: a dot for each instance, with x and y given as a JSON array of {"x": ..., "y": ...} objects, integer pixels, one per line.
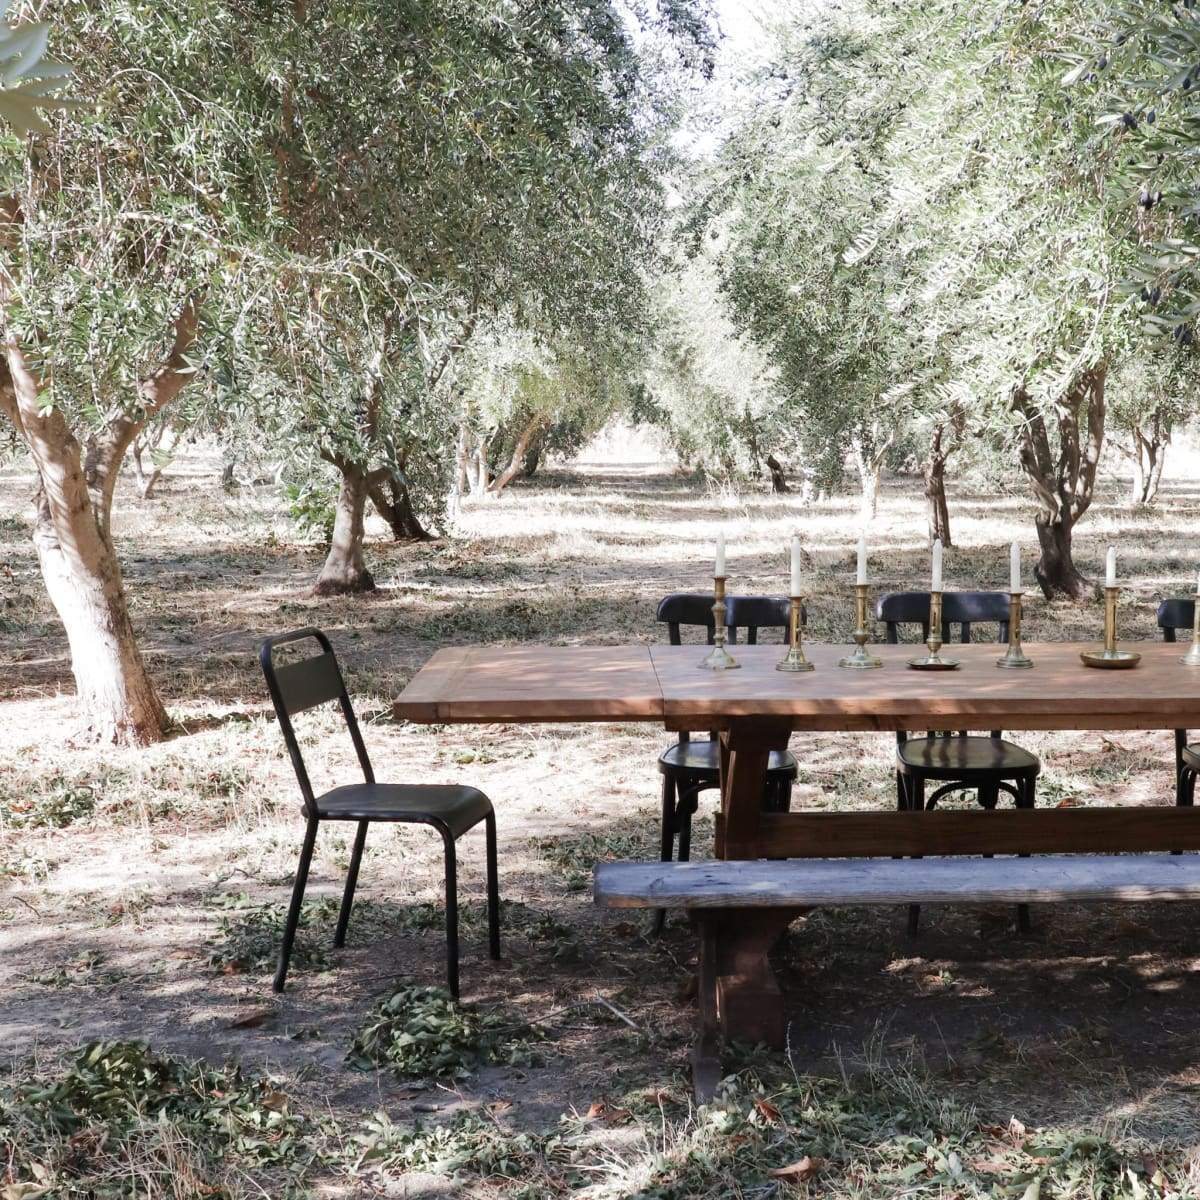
[
  {"x": 122, "y": 1120},
  {"x": 421, "y": 1031}
]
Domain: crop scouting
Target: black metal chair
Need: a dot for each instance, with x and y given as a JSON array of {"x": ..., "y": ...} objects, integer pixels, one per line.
[
  {"x": 691, "y": 767},
  {"x": 1173, "y": 615},
  {"x": 957, "y": 761},
  {"x": 451, "y": 809}
]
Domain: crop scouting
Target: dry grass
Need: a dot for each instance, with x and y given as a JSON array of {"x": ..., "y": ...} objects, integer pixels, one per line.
[{"x": 123, "y": 874}]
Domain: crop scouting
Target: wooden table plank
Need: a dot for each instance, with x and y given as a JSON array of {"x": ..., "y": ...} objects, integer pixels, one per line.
[
  {"x": 1058, "y": 693},
  {"x": 534, "y": 684},
  {"x": 665, "y": 683},
  {"x": 431, "y": 685},
  {"x": 792, "y": 884}
]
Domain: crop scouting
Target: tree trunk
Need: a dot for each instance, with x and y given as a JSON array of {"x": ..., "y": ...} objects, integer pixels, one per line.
[
  {"x": 935, "y": 495},
  {"x": 1156, "y": 473},
  {"x": 533, "y": 458},
  {"x": 72, "y": 533},
  {"x": 111, "y": 682},
  {"x": 779, "y": 481},
  {"x": 397, "y": 509},
  {"x": 345, "y": 570},
  {"x": 506, "y": 476},
  {"x": 228, "y": 479},
  {"x": 1147, "y": 457},
  {"x": 1055, "y": 570},
  {"x": 1063, "y": 477},
  {"x": 868, "y": 478},
  {"x": 1138, "y": 481},
  {"x": 869, "y": 461},
  {"x": 935, "y": 477}
]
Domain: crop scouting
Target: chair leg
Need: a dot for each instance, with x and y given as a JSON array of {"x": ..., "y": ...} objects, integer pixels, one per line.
[
  {"x": 667, "y": 847},
  {"x": 451, "y": 914},
  {"x": 293, "y": 915},
  {"x": 493, "y": 888},
  {"x": 688, "y": 803},
  {"x": 1180, "y": 746},
  {"x": 1026, "y": 799},
  {"x": 360, "y": 839},
  {"x": 915, "y": 790},
  {"x": 1185, "y": 792}
]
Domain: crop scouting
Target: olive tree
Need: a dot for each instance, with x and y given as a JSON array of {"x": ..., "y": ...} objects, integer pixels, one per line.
[
  {"x": 517, "y": 177},
  {"x": 927, "y": 214},
  {"x": 134, "y": 225}
]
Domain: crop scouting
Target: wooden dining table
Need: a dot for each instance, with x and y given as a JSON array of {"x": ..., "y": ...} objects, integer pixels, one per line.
[{"x": 755, "y": 709}]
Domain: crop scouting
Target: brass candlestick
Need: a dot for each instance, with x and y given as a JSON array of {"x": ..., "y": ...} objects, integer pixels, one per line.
[
  {"x": 933, "y": 661},
  {"x": 860, "y": 659},
  {"x": 1110, "y": 656},
  {"x": 1192, "y": 657},
  {"x": 1015, "y": 656},
  {"x": 794, "y": 659},
  {"x": 718, "y": 658}
]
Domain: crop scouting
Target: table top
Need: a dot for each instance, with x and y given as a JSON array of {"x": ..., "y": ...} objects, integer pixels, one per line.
[{"x": 665, "y": 684}]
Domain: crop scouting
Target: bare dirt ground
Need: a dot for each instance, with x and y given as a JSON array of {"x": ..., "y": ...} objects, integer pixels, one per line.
[{"x": 140, "y": 892}]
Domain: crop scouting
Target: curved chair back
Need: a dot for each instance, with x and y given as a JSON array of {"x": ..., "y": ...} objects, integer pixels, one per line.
[
  {"x": 692, "y": 609},
  {"x": 682, "y": 610},
  {"x": 1173, "y": 615},
  {"x": 753, "y": 613},
  {"x": 304, "y": 684},
  {"x": 963, "y": 609}
]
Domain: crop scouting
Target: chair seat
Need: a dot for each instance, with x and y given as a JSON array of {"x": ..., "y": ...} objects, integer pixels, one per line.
[
  {"x": 1191, "y": 756},
  {"x": 704, "y": 758},
  {"x": 964, "y": 757},
  {"x": 459, "y": 808}
]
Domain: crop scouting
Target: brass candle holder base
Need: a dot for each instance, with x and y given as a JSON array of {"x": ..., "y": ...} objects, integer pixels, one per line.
[
  {"x": 1014, "y": 658},
  {"x": 860, "y": 659},
  {"x": 933, "y": 661},
  {"x": 1110, "y": 658},
  {"x": 1192, "y": 657},
  {"x": 794, "y": 659},
  {"x": 718, "y": 658}
]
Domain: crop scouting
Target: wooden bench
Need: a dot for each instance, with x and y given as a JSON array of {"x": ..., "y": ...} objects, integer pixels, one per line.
[{"x": 717, "y": 896}]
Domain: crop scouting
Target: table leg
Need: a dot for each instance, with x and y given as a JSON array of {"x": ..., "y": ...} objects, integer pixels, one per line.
[
  {"x": 746, "y": 995},
  {"x": 706, "y": 1053}
]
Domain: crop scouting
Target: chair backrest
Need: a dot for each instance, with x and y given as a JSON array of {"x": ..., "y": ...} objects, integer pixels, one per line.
[
  {"x": 1175, "y": 614},
  {"x": 694, "y": 610},
  {"x": 753, "y": 613},
  {"x": 963, "y": 609},
  {"x": 304, "y": 684}
]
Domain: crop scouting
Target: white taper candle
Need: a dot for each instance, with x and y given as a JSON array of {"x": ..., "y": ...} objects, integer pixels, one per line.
[
  {"x": 1014, "y": 568},
  {"x": 719, "y": 569},
  {"x": 795, "y": 567},
  {"x": 862, "y": 557},
  {"x": 1110, "y": 568},
  {"x": 937, "y": 565}
]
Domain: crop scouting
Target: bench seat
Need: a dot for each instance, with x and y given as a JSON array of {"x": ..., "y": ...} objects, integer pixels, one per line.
[
  {"x": 739, "y": 907},
  {"x": 814, "y": 882}
]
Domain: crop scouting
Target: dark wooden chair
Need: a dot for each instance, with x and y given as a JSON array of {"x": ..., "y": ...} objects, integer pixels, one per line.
[
  {"x": 1174, "y": 615},
  {"x": 451, "y": 809},
  {"x": 957, "y": 761},
  {"x": 690, "y": 767}
]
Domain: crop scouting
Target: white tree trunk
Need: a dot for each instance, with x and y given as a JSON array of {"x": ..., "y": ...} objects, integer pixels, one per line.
[
  {"x": 111, "y": 681},
  {"x": 72, "y": 533}
]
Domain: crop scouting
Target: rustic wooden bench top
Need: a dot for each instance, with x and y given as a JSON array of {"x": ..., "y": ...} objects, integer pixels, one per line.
[
  {"x": 664, "y": 684},
  {"x": 799, "y": 883}
]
